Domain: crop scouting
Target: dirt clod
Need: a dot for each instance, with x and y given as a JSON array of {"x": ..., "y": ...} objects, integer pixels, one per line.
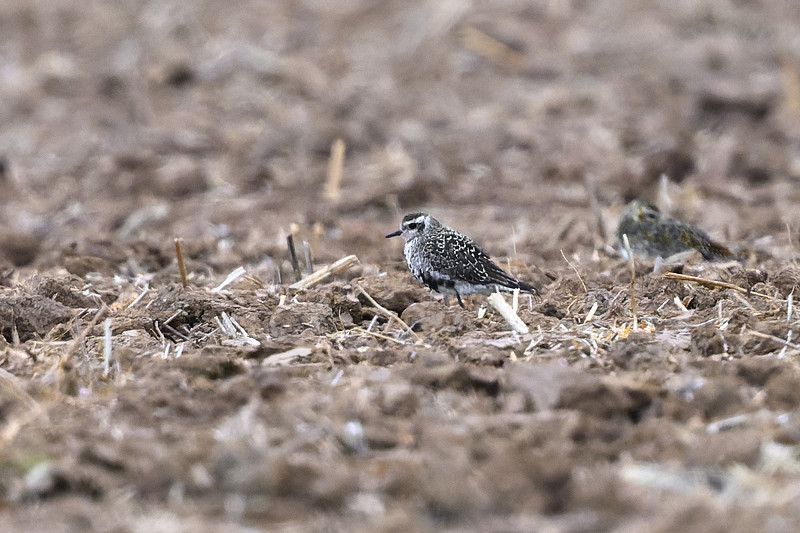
[
  {"x": 29, "y": 316},
  {"x": 20, "y": 248}
]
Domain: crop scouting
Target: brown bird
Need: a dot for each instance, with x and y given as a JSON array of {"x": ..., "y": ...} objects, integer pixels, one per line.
[{"x": 652, "y": 234}]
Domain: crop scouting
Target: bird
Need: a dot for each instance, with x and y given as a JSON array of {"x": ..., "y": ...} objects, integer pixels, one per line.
[
  {"x": 449, "y": 262},
  {"x": 651, "y": 234}
]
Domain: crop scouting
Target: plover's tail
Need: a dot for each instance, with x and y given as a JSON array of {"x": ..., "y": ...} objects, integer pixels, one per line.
[
  {"x": 506, "y": 281},
  {"x": 524, "y": 287}
]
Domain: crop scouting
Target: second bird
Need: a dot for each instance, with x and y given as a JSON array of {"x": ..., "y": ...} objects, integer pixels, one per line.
[{"x": 450, "y": 262}]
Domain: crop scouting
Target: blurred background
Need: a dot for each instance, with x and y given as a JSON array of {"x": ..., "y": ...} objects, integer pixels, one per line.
[{"x": 526, "y": 124}]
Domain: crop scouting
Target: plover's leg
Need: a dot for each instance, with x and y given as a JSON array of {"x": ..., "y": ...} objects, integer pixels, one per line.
[
  {"x": 446, "y": 300},
  {"x": 459, "y": 300}
]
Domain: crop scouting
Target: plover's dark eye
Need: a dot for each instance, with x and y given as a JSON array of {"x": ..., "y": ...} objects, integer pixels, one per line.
[{"x": 413, "y": 225}]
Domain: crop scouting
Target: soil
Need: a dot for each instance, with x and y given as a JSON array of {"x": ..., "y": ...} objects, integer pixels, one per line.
[{"x": 130, "y": 403}]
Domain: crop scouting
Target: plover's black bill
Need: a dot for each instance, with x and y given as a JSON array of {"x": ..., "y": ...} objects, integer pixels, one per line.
[{"x": 394, "y": 234}]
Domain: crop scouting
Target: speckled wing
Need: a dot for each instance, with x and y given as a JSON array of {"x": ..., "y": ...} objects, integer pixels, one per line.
[
  {"x": 709, "y": 249},
  {"x": 460, "y": 259}
]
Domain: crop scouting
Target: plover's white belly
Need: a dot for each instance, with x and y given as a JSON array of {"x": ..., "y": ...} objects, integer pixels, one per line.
[{"x": 469, "y": 288}]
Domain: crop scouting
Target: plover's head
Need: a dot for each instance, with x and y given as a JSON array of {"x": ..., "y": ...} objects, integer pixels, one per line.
[
  {"x": 414, "y": 225},
  {"x": 640, "y": 211}
]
